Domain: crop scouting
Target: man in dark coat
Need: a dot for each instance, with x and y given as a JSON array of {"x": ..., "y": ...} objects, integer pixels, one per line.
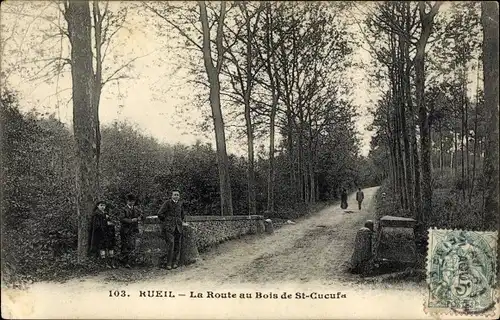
[
  {"x": 171, "y": 214},
  {"x": 129, "y": 219},
  {"x": 360, "y": 196},
  {"x": 343, "y": 199}
]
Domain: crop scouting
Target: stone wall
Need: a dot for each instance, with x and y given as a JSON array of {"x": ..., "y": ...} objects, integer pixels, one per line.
[
  {"x": 211, "y": 230},
  {"x": 205, "y": 231}
]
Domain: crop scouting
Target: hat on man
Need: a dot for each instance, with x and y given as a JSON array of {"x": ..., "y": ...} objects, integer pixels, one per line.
[{"x": 131, "y": 197}]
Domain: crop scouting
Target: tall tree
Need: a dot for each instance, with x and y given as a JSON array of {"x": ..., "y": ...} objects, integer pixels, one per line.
[
  {"x": 213, "y": 72},
  {"x": 242, "y": 58},
  {"x": 390, "y": 30},
  {"x": 272, "y": 72},
  {"x": 106, "y": 24},
  {"x": 77, "y": 15},
  {"x": 196, "y": 24},
  {"x": 489, "y": 18},
  {"x": 476, "y": 135},
  {"x": 426, "y": 25}
]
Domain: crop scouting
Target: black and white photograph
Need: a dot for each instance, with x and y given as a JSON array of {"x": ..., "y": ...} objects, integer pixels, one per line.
[{"x": 249, "y": 159}]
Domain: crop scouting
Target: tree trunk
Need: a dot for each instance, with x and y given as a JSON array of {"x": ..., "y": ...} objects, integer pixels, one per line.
[
  {"x": 97, "y": 80},
  {"x": 394, "y": 71},
  {"x": 300, "y": 149},
  {"x": 213, "y": 78},
  {"x": 441, "y": 153},
  {"x": 466, "y": 125},
  {"x": 270, "y": 63},
  {"x": 300, "y": 176},
  {"x": 426, "y": 20},
  {"x": 451, "y": 159},
  {"x": 414, "y": 157},
  {"x": 462, "y": 134},
  {"x": 312, "y": 189},
  {"x": 252, "y": 209},
  {"x": 473, "y": 181},
  {"x": 391, "y": 144},
  {"x": 291, "y": 151},
  {"x": 397, "y": 165},
  {"x": 404, "y": 129},
  {"x": 393, "y": 169},
  {"x": 399, "y": 160},
  {"x": 289, "y": 125},
  {"x": 425, "y": 141},
  {"x": 270, "y": 181},
  {"x": 306, "y": 184},
  {"x": 489, "y": 18},
  {"x": 77, "y": 15},
  {"x": 455, "y": 153}
]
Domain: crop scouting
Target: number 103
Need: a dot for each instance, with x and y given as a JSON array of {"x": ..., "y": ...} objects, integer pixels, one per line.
[{"x": 117, "y": 293}]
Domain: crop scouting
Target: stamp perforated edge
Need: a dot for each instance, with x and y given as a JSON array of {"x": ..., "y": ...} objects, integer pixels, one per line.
[{"x": 492, "y": 313}]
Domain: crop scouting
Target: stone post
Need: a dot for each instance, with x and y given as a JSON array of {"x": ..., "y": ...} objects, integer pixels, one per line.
[
  {"x": 268, "y": 225},
  {"x": 189, "y": 250}
]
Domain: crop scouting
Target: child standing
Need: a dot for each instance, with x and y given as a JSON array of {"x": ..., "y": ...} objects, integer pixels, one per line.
[
  {"x": 102, "y": 236},
  {"x": 129, "y": 220}
]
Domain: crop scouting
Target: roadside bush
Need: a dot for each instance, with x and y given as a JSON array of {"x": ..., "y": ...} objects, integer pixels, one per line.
[
  {"x": 388, "y": 205},
  {"x": 450, "y": 210}
]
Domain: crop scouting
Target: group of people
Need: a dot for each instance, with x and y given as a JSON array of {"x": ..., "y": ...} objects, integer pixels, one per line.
[
  {"x": 360, "y": 196},
  {"x": 102, "y": 239}
]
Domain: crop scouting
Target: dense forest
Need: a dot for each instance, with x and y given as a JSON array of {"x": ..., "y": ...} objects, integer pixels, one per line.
[{"x": 436, "y": 121}]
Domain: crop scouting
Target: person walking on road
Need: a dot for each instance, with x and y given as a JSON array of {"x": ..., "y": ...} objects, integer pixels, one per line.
[
  {"x": 359, "y": 197},
  {"x": 343, "y": 199}
]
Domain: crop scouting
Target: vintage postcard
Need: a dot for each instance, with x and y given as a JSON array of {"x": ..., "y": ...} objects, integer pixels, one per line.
[{"x": 249, "y": 160}]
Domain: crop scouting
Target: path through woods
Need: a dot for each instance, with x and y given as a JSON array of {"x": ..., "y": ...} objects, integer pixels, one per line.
[{"x": 310, "y": 254}]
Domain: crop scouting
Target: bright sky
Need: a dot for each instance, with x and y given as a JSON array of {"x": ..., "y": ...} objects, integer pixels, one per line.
[{"x": 158, "y": 98}]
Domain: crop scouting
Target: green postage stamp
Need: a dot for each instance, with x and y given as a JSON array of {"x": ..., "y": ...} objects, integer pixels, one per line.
[{"x": 461, "y": 272}]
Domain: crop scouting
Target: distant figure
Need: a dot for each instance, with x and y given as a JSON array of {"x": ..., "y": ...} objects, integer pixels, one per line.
[
  {"x": 171, "y": 214},
  {"x": 362, "y": 249},
  {"x": 343, "y": 199},
  {"x": 129, "y": 219},
  {"x": 359, "y": 197},
  {"x": 102, "y": 235}
]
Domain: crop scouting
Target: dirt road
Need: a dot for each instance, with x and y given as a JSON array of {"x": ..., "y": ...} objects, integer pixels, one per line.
[
  {"x": 314, "y": 249},
  {"x": 300, "y": 258}
]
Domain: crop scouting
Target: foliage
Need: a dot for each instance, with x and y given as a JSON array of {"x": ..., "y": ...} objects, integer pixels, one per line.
[
  {"x": 449, "y": 209},
  {"x": 38, "y": 211},
  {"x": 453, "y": 105},
  {"x": 40, "y": 226}
]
